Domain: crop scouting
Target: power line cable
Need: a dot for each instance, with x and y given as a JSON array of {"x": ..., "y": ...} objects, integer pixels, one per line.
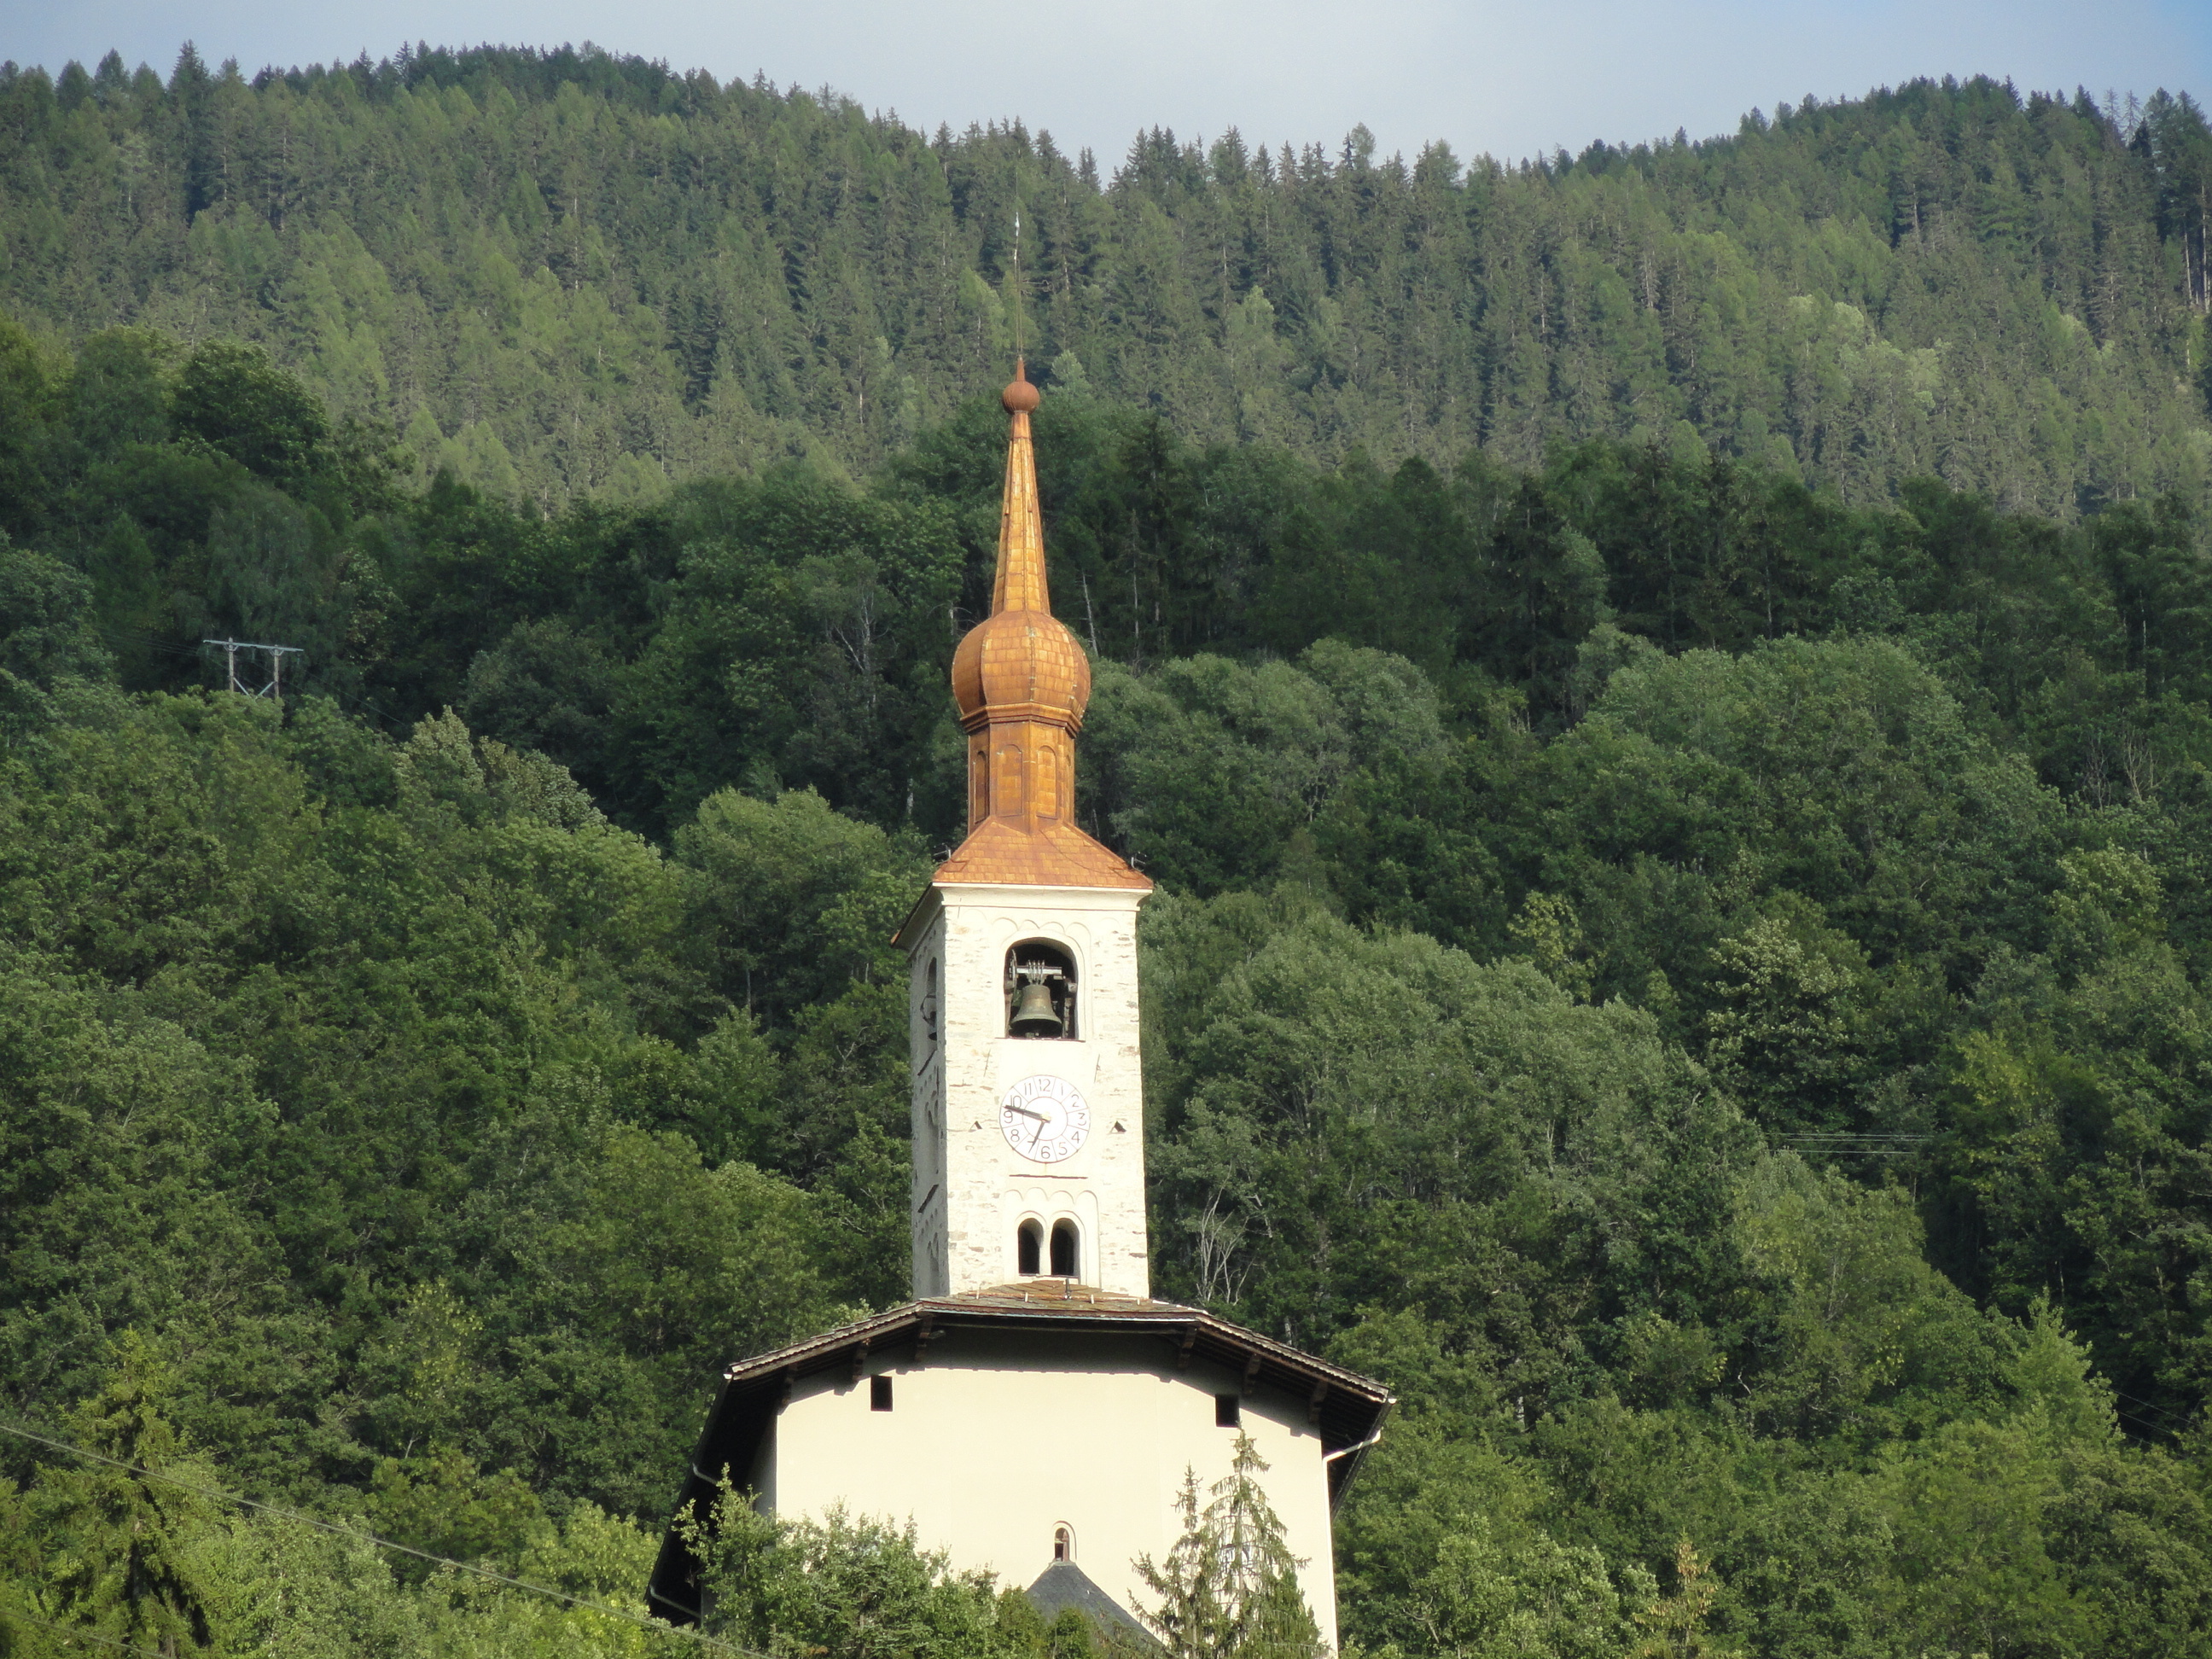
[
  {"x": 317, "y": 1522},
  {"x": 73, "y": 1633},
  {"x": 2150, "y": 1427},
  {"x": 151, "y": 640},
  {"x": 2148, "y": 1405}
]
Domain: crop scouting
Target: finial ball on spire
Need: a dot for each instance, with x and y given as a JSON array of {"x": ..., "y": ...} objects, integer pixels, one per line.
[{"x": 1020, "y": 397}]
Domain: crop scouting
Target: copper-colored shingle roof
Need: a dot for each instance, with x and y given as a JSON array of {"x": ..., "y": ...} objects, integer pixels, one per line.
[
  {"x": 1002, "y": 853},
  {"x": 1021, "y": 663}
]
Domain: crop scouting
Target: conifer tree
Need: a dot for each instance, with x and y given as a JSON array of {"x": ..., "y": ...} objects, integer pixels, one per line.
[
  {"x": 1677, "y": 1623},
  {"x": 120, "y": 1565},
  {"x": 1228, "y": 1588}
]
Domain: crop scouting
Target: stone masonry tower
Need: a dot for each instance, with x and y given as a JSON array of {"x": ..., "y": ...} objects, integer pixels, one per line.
[{"x": 1029, "y": 1130}]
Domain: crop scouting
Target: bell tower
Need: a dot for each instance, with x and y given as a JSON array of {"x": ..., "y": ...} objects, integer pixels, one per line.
[
  {"x": 1029, "y": 1129},
  {"x": 1032, "y": 1412}
]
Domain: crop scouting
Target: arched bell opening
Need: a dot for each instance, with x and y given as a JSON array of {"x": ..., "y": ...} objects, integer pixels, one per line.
[
  {"x": 1063, "y": 1543},
  {"x": 1041, "y": 991},
  {"x": 1066, "y": 1253},
  {"x": 1029, "y": 1249}
]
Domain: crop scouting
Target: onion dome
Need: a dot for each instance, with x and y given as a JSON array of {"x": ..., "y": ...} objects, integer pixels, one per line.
[
  {"x": 1023, "y": 682},
  {"x": 1021, "y": 662}
]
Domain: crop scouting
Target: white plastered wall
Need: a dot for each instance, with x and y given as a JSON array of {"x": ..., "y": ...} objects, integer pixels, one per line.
[
  {"x": 998, "y": 1437},
  {"x": 970, "y": 1188}
]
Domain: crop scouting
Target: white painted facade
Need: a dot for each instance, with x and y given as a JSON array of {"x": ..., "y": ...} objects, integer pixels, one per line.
[
  {"x": 972, "y": 1188},
  {"x": 1000, "y": 1437}
]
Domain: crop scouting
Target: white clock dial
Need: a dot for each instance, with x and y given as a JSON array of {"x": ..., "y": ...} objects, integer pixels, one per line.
[{"x": 1044, "y": 1119}]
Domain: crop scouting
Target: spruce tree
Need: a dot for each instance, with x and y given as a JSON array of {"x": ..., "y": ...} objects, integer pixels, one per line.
[
  {"x": 120, "y": 1563},
  {"x": 1228, "y": 1587}
]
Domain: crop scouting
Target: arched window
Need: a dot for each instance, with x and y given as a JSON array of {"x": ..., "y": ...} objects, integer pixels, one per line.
[
  {"x": 1029, "y": 1249},
  {"x": 1040, "y": 990},
  {"x": 1063, "y": 1544},
  {"x": 1065, "y": 1263}
]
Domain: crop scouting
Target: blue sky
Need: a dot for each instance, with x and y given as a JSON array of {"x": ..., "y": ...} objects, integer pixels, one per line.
[{"x": 1484, "y": 76}]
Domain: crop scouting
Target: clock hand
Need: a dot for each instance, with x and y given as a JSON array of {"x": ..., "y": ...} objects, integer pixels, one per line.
[{"x": 1025, "y": 1112}]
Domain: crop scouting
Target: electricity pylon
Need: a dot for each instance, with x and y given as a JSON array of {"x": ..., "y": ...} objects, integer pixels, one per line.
[{"x": 274, "y": 688}]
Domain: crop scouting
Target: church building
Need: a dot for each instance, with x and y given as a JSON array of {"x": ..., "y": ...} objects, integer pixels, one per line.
[{"x": 1033, "y": 1410}]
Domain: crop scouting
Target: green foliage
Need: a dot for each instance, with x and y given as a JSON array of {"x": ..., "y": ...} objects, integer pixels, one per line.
[
  {"x": 843, "y": 1587},
  {"x": 231, "y": 399},
  {"x": 1228, "y": 1588},
  {"x": 1684, "y": 924},
  {"x": 43, "y": 609},
  {"x": 119, "y": 1565},
  {"x": 162, "y": 1561},
  {"x": 1676, "y": 1624},
  {"x": 806, "y": 899},
  {"x": 1486, "y": 1598},
  {"x": 439, "y": 1504},
  {"x": 396, "y": 1049},
  {"x": 120, "y": 393},
  {"x": 575, "y": 275},
  {"x": 1520, "y": 1128}
]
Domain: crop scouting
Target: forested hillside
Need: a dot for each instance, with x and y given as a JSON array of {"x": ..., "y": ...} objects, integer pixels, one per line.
[
  {"x": 572, "y": 275},
  {"x": 1682, "y": 945},
  {"x": 1700, "y": 985}
]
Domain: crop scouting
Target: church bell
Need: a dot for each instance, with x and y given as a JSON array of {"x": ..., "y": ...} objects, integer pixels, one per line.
[{"x": 1034, "y": 1015}]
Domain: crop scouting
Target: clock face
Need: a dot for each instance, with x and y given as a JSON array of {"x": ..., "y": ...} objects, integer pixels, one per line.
[{"x": 1044, "y": 1119}]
